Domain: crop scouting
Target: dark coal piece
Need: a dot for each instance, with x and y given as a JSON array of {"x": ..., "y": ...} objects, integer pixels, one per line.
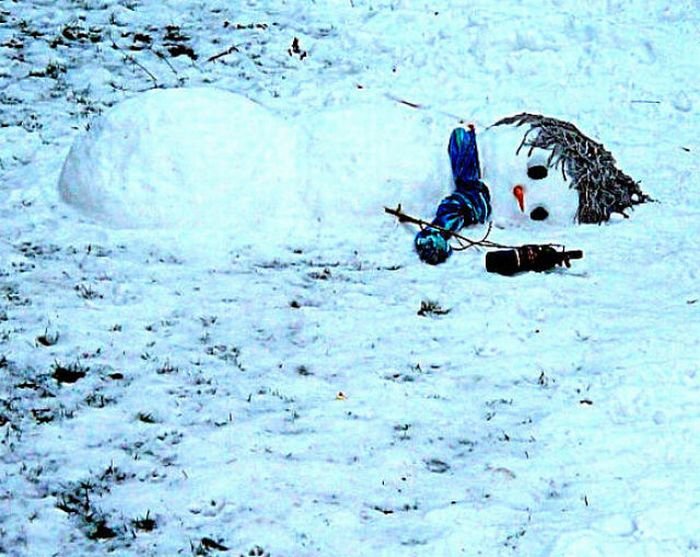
[
  {"x": 539, "y": 213},
  {"x": 538, "y": 172}
]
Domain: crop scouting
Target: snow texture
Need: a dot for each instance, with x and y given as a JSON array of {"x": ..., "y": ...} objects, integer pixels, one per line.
[{"x": 316, "y": 390}]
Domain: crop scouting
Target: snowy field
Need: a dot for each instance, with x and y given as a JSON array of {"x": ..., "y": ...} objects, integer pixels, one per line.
[{"x": 274, "y": 388}]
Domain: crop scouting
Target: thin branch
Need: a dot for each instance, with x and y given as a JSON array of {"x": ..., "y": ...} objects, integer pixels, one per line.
[
  {"x": 226, "y": 52},
  {"x": 163, "y": 57},
  {"x": 465, "y": 243},
  {"x": 481, "y": 242},
  {"x": 129, "y": 58}
]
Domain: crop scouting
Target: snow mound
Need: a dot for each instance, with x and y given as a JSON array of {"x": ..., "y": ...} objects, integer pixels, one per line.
[
  {"x": 206, "y": 158},
  {"x": 198, "y": 157}
]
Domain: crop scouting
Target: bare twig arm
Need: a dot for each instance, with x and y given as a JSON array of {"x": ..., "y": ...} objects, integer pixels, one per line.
[{"x": 466, "y": 242}]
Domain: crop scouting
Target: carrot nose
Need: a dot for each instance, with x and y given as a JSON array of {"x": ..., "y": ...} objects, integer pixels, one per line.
[{"x": 519, "y": 193}]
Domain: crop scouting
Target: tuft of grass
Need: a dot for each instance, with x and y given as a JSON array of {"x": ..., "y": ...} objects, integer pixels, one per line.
[
  {"x": 145, "y": 524},
  {"x": 37, "y": 251},
  {"x": 77, "y": 501},
  {"x": 98, "y": 400},
  {"x": 53, "y": 70},
  {"x": 402, "y": 431},
  {"x": 304, "y": 371},
  {"x": 325, "y": 274},
  {"x": 209, "y": 543},
  {"x": 430, "y": 307},
  {"x": 229, "y": 354},
  {"x": 87, "y": 292},
  {"x": 70, "y": 373},
  {"x": 43, "y": 415},
  {"x": 80, "y": 501},
  {"x": 100, "y": 530},
  {"x": 145, "y": 418},
  {"x": 11, "y": 294},
  {"x": 167, "y": 368},
  {"x": 76, "y": 33},
  {"x": 208, "y": 320}
]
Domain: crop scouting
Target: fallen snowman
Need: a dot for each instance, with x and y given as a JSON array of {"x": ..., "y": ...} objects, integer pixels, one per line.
[{"x": 203, "y": 158}]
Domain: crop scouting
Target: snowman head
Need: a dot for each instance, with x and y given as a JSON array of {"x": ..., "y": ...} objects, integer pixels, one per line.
[{"x": 543, "y": 169}]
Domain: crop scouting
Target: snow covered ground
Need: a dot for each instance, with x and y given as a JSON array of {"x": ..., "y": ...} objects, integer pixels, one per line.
[{"x": 205, "y": 392}]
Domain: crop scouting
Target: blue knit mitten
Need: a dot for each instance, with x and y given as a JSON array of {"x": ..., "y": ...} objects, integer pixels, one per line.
[{"x": 432, "y": 247}]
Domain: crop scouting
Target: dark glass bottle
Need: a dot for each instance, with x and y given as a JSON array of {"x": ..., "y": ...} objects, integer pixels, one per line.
[{"x": 531, "y": 257}]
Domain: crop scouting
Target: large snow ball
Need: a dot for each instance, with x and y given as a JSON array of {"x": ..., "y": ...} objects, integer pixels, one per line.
[{"x": 197, "y": 157}]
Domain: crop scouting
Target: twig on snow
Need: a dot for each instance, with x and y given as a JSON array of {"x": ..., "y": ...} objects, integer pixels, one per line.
[
  {"x": 129, "y": 58},
  {"x": 226, "y": 52},
  {"x": 165, "y": 59}
]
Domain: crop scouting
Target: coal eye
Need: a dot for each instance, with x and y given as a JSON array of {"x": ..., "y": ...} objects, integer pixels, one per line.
[
  {"x": 538, "y": 172},
  {"x": 539, "y": 213}
]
